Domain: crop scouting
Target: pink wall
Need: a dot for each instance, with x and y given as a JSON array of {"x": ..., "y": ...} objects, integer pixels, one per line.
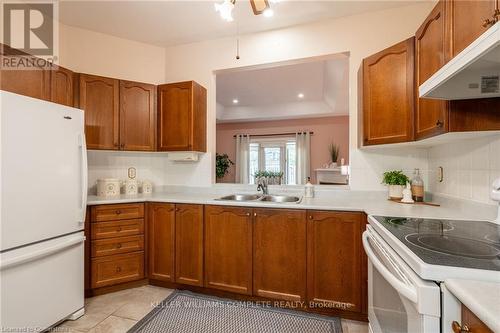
[{"x": 326, "y": 130}]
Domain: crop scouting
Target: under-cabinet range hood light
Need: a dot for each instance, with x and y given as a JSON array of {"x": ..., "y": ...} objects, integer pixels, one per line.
[{"x": 473, "y": 73}]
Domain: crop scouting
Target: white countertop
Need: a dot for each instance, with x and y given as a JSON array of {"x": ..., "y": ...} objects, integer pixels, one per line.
[
  {"x": 371, "y": 202},
  {"x": 482, "y": 298}
]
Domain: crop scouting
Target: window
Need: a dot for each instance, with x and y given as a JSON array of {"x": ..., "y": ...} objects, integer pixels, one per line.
[{"x": 273, "y": 155}]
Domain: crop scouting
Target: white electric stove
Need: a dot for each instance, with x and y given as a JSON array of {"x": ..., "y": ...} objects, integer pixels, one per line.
[{"x": 410, "y": 258}]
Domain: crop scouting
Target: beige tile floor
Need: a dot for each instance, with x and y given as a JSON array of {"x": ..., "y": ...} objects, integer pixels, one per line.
[{"x": 117, "y": 312}]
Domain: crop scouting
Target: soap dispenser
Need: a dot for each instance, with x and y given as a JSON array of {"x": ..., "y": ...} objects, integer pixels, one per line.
[{"x": 309, "y": 189}]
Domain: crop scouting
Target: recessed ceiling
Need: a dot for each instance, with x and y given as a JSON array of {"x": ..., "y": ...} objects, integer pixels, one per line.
[
  {"x": 167, "y": 23},
  {"x": 308, "y": 89}
]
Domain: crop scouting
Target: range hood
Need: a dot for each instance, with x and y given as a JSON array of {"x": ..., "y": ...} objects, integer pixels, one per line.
[{"x": 473, "y": 73}]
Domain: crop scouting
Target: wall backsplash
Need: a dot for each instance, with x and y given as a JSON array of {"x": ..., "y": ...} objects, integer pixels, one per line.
[{"x": 469, "y": 168}]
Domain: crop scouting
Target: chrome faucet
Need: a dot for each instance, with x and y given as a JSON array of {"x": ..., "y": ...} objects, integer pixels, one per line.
[{"x": 262, "y": 185}]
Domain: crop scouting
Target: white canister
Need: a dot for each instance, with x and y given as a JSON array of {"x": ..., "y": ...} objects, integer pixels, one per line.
[
  {"x": 108, "y": 187},
  {"x": 147, "y": 187},
  {"x": 131, "y": 187}
]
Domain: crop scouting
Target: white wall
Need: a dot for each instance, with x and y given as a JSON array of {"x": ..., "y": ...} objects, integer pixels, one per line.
[
  {"x": 361, "y": 35},
  {"x": 91, "y": 52},
  {"x": 469, "y": 168}
]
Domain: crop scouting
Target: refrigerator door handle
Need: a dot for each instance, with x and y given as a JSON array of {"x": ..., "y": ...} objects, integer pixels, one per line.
[
  {"x": 83, "y": 177},
  {"x": 7, "y": 263}
]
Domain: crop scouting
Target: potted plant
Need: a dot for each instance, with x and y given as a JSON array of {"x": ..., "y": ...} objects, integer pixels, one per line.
[
  {"x": 222, "y": 165},
  {"x": 334, "y": 153},
  {"x": 396, "y": 181}
]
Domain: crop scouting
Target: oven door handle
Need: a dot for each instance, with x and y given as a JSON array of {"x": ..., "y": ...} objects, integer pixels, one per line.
[{"x": 402, "y": 288}]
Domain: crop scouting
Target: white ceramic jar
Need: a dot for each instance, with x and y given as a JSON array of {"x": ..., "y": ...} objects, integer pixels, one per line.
[
  {"x": 108, "y": 187},
  {"x": 147, "y": 187},
  {"x": 131, "y": 187}
]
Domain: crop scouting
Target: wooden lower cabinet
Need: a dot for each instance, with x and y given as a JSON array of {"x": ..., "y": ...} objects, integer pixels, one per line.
[
  {"x": 279, "y": 247},
  {"x": 228, "y": 249},
  {"x": 336, "y": 270},
  {"x": 111, "y": 270},
  {"x": 116, "y": 246},
  {"x": 161, "y": 234},
  {"x": 189, "y": 244}
]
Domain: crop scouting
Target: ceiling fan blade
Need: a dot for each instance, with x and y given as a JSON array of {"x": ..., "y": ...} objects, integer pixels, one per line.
[{"x": 258, "y": 6}]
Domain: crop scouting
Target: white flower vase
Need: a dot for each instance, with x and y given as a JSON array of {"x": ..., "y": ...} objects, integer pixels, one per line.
[{"x": 396, "y": 192}]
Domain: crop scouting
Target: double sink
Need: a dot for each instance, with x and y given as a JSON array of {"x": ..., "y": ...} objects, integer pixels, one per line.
[{"x": 261, "y": 198}]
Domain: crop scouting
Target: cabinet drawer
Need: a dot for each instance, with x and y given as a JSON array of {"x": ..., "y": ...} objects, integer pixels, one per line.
[
  {"x": 115, "y": 269},
  {"x": 110, "y": 246},
  {"x": 113, "y": 229},
  {"x": 117, "y": 212}
]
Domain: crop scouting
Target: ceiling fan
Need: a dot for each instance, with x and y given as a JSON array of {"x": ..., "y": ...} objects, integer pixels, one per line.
[{"x": 225, "y": 8}]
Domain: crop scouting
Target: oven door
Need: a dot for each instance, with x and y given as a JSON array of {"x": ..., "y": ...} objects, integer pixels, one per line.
[{"x": 399, "y": 300}]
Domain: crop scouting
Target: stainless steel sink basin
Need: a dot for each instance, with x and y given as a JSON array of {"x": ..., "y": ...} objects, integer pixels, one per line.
[
  {"x": 281, "y": 198},
  {"x": 241, "y": 197},
  {"x": 261, "y": 198}
]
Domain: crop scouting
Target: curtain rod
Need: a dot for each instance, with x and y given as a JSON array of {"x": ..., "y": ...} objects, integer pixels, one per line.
[{"x": 275, "y": 134}]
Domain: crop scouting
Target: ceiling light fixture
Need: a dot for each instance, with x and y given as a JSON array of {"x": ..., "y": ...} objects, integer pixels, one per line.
[
  {"x": 225, "y": 9},
  {"x": 300, "y": 95},
  {"x": 235, "y": 101},
  {"x": 268, "y": 12}
]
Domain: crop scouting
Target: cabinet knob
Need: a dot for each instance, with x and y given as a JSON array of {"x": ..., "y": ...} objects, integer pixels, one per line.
[
  {"x": 118, "y": 269},
  {"x": 248, "y": 214},
  {"x": 311, "y": 217},
  {"x": 255, "y": 214},
  {"x": 489, "y": 22},
  {"x": 118, "y": 212},
  {"x": 439, "y": 123},
  {"x": 119, "y": 246},
  {"x": 177, "y": 209},
  {"x": 119, "y": 229},
  {"x": 457, "y": 328}
]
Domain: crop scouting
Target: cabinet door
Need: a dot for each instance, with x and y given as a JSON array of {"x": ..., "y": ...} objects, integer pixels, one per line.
[
  {"x": 466, "y": 19},
  {"x": 161, "y": 244},
  {"x": 175, "y": 117},
  {"x": 279, "y": 244},
  {"x": 228, "y": 249},
  {"x": 32, "y": 83},
  {"x": 61, "y": 86},
  {"x": 388, "y": 95},
  {"x": 189, "y": 244},
  {"x": 137, "y": 116},
  {"x": 431, "y": 116},
  {"x": 474, "y": 324},
  {"x": 334, "y": 261},
  {"x": 99, "y": 100}
]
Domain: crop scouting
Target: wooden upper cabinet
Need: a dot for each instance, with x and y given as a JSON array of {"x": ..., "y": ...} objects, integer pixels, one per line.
[
  {"x": 189, "y": 244},
  {"x": 62, "y": 86},
  {"x": 161, "y": 240},
  {"x": 99, "y": 98},
  {"x": 182, "y": 119},
  {"x": 431, "y": 116},
  {"x": 388, "y": 95},
  {"x": 466, "y": 19},
  {"x": 228, "y": 249},
  {"x": 335, "y": 267},
  {"x": 279, "y": 245},
  {"x": 32, "y": 83},
  {"x": 137, "y": 116}
]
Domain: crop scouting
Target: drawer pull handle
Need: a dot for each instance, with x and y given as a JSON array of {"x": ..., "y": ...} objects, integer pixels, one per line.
[
  {"x": 457, "y": 328},
  {"x": 118, "y": 269},
  {"x": 118, "y": 212}
]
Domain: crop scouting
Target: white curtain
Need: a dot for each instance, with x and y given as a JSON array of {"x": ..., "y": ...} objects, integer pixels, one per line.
[
  {"x": 242, "y": 158},
  {"x": 303, "y": 156}
]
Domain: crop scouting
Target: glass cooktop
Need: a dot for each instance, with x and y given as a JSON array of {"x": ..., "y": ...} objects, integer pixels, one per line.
[{"x": 471, "y": 244}]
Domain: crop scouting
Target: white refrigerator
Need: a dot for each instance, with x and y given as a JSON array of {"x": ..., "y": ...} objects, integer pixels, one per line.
[{"x": 43, "y": 180}]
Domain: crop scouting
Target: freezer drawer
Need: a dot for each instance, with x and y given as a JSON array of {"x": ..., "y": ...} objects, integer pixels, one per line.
[{"x": 41, "y": 284}]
